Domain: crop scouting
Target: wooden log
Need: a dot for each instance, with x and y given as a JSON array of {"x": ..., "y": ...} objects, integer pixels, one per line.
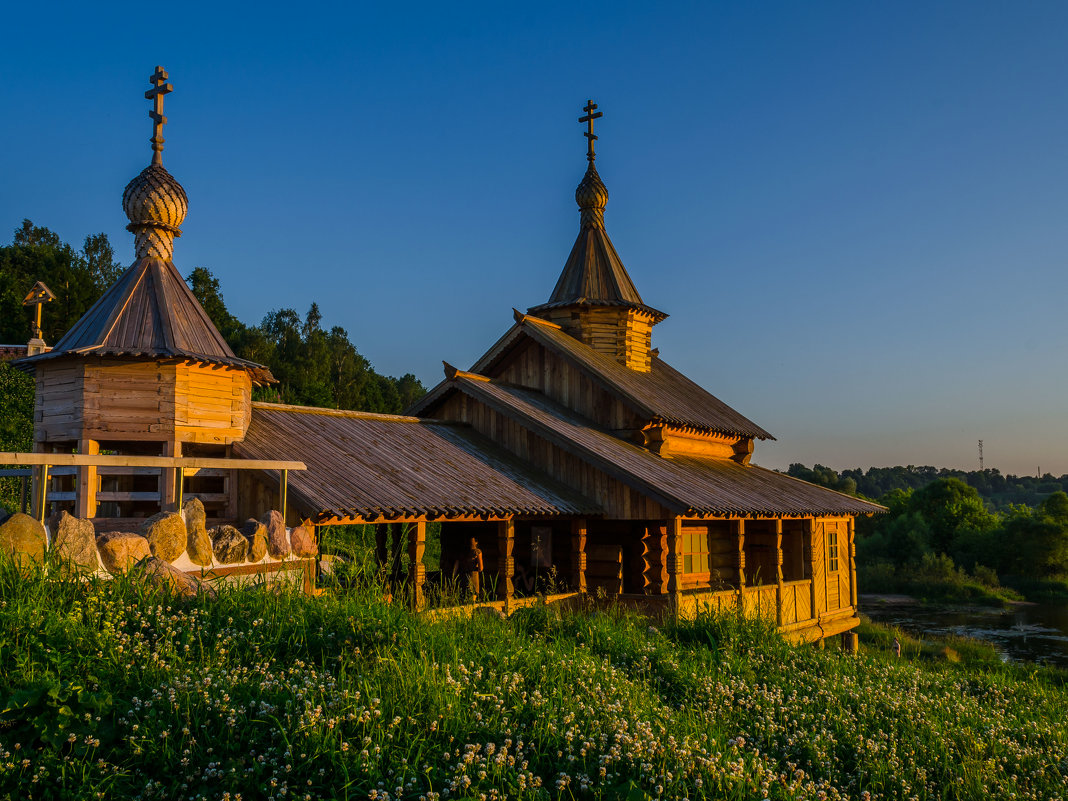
[
  {"x": 578, "y": 555},
  {"x": 506, "y": 561},
  {"x": 416, "y": 568}
]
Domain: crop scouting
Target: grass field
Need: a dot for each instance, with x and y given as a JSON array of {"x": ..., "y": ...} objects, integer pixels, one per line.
[{"x": 110, "y": 689}]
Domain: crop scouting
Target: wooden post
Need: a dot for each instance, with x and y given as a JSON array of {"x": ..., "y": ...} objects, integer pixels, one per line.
[
  {"x": 778, "y": 572},
  {"x": 578, "y": 555},
  {"x": 674, "y": 564},
  {"x": 505, "y": 562},
  {"x": 168, "y": 479},
  {"x": 87, "y": 484},
  {"x": 656, "y": 577},
  {"x": 852, "y": 566},
  {"x": 810, "y": 560},
  {"x": 310, "y": 566},
  {"x": 283, "y": 491},
  {"x": 416, "y": 568},
  {"x": 179, "y": 488},
  {"x": 739, "y": 539},
  {"x": 40, "y": 494}
]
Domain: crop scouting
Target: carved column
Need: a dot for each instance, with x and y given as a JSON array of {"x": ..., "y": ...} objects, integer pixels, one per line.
[
  {"x": 656, "y": 572},
  {"x": 739, "y": 539},
  {"x": 85, "y": 491},
  {"x": 505, "y": 561},
  {"x": 674, "y": 564},
  {"x": 578, "y": 555},
  {"x": 416, "y": 568},
  {"x": 778, "y": 573},
  {"x": 852, "y": 565}
]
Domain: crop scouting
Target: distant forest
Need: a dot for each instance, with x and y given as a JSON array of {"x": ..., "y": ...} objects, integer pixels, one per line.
[
  {"x": 998, "y": 491},
  {"x": 314, "y": 366}
]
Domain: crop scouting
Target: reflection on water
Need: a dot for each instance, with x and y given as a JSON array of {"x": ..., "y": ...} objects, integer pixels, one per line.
[{"x": 1037, "y": 633}]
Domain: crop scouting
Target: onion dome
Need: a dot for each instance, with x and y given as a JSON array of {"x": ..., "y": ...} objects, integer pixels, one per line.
[
  {"x": 592, "y": 197},
  {"x": 156, "y": 204}
]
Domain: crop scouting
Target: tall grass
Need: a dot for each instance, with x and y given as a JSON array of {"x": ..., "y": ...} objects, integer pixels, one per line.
[{"x": 112, "y": 689}]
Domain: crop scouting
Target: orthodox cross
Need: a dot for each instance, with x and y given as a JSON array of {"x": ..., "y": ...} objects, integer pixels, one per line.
[
  {"x": 160, "y": 87},
  {"x": 589, "y": 134}
]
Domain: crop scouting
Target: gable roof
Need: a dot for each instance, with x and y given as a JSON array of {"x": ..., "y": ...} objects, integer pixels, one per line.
[
  {"x": 149, "y": 312},
  {"x": 370, "y": 466},
  {"x": 663, "y": 394},
  {"x": 689, "y": 485}
]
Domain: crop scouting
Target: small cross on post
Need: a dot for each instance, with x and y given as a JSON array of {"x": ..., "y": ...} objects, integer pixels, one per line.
[
  {"x": 589, "y": 134},
  {"x": 160, "y": 87}
]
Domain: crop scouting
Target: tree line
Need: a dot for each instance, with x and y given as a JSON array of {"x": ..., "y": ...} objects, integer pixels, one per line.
[{"x": 315, "y": 366}]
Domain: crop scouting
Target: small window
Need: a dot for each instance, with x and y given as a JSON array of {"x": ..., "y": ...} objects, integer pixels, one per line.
[
  {"x": 695, "y": 550},
  {"x": 832, "y": 549}
]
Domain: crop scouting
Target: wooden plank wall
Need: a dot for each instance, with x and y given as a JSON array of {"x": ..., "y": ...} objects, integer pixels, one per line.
[
  {"x": 616, "y": 498},
  {"x": 211, "y": 404},
  {"x": 620, "y": 333},
  {"x": 536, "y": 367},
  {"x": 57, "y": 414}
]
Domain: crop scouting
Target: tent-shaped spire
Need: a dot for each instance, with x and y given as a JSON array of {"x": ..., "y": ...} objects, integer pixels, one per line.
[{"x": 594, "y": 274}]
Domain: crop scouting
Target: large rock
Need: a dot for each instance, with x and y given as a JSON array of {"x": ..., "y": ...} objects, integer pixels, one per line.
[
  {"x": 229, "y": 545},
  {"x": 302, "y": 540},
  {"x": 277, "y": 536},
  {"x": 121, "y": 550},
  {"x": 74, "y": 540},
  {"x": 166, "y": 535},
  {"x": 256, "y": 534},
  {"x": 168, "y": 577},
  {"x": 198, "y": 543},
  {"x": 23, "y": 538}
]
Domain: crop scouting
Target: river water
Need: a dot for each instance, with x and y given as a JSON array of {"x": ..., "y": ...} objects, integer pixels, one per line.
[{"x": 1023, "y": 633}]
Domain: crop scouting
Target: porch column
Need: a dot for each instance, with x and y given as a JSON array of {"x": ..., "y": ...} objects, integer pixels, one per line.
[
  {"x": 656, "y": 577},
  {"x": 167, "y": 481},
  {"x": 810, "y": 560},
  {"x": 578, "y": 555},
  {"x": 739, "y": 539},
  {"x": 778, "y": 572},
  {"x": 416, "y": 568},
  {"x": 674, "y": 564},
  {"x": 86, "y": 482},
  {"x": 505, "y": 561},
  {"x": 852, "y": 565}
]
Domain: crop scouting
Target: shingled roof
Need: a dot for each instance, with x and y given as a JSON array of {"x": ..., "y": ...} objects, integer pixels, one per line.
[
  {"x": 366, "y": 466},
  {"x": 692, "y": 486},
  {"x": 149, "y": 312}
]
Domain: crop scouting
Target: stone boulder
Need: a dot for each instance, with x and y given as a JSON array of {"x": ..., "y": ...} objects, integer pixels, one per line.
[
  {"x": 256, "y": 534},
  {"x": 198, "y": 543},
  {"x": 23, "y": 538},
  {"x": 74, "y": 540},
  {"x": 166, "y": 576},
  {"x": 229, "y": 545},
  {"x": 277, "y": 536},
  {"x": 121, "y": 550},
  {"x": 166, "y": 535},
  {"x": 302, "y": 540}
]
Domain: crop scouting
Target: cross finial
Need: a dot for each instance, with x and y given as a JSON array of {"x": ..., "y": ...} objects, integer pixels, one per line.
[
  {"x": 160, "y": 87},
  {"x": 589, "y": 134}
]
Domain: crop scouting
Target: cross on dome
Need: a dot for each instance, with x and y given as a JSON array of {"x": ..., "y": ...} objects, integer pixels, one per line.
[
  {"x": 160, "y": 87},
  {"x": 589, "y": 134}
]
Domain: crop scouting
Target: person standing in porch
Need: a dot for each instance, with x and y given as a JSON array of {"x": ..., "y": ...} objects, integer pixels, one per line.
[{"x": 470, "y": 567}]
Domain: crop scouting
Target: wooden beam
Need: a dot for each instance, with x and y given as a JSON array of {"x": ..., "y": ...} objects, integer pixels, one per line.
[
  {"x": 40, "y": 494},
  {"x": 852, "y": 566},
  {"x": 82, "y": 460},
  {"x": 810, "y": 559},
  {"x": 578, "y": 555},
  {"x": 283, "y": 490},
  {"x": 506, "y": 561},
  {"x": 169, "y": 480},
  {"x": 739, "y": 539},
  {"x": 416, "y": 568},
  {"x": 778, "y": 573}
]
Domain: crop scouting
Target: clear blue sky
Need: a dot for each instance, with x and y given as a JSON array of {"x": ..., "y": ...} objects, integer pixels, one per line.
[{"x": 856, "y": 214}]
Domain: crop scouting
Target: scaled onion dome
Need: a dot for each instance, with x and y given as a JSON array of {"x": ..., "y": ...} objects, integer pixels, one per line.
[
  {"x": 156, "y": 204},
  {"x": 592, "y": 197}
]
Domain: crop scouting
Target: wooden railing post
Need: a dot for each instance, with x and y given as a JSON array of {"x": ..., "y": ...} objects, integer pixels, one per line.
[
  {"x": 40, "y": 495},
  {"x": 778, "y": 572},
  {"x": 416, "y": 568},
  {"x": 86, "y": 482},
  {"x": 674, "y": 565},
  {"x": 739, "y": 539},
  {"x": 578, "y": 555},
  {"x": 810, "y": 560},
  {"x": 283, "y": 491},
  {"x": 168, "y": 479},
  {"x": 505, "y": 562}
]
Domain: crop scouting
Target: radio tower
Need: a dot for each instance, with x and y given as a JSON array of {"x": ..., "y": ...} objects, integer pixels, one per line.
[{"x": 980, "y": 456}]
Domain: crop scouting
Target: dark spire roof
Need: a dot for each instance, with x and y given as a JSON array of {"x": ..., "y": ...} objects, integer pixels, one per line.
[{"x": 594, "y": 274}]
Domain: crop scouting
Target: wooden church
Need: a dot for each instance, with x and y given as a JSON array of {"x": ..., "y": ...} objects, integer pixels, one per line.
[{"x": 581, "y": 461}]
